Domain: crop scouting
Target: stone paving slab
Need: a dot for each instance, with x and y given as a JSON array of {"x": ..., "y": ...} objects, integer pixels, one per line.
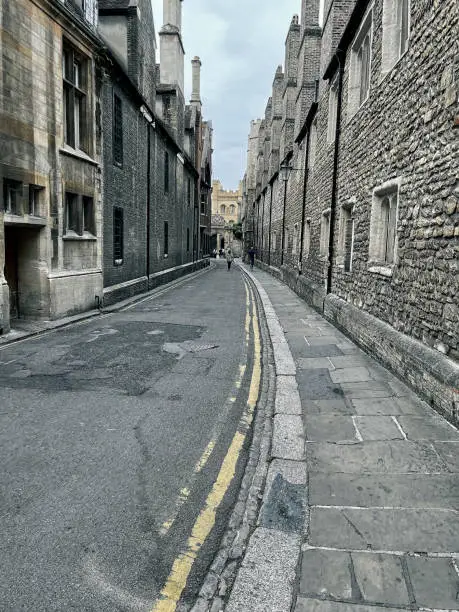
[
  {"x": 395, "y": 456},
  {"x": 428, "y": 427},
  {"x": 402, "y": 529},
  {"x": 265, "y": 580},
  {"x": 365, "y": 490},
  {"x": 317, "y": 385},
  {"x": 449, "y": 453},
  {"x": 328, "y": 407},
  {"x": 351, "y": 374},
  {"x": 435, "y": 582},
  {"x": 386, "y": 406},
  {"x": 378, "y": 428},
  {"x": 316, "y": 605},
  {"x": 330, "y": 428}
]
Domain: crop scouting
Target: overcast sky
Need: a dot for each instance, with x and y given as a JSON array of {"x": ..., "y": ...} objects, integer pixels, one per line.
[{"x": 240, "y": 43}]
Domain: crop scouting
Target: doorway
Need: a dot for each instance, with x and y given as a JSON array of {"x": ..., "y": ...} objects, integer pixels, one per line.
[{"x": 22, "y": 271}]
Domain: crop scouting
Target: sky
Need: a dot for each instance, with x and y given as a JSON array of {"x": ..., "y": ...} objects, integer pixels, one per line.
[{"x": 240, "y": 44}]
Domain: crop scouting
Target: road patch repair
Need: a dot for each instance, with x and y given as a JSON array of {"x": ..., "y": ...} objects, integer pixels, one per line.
[{"x": 360, "y": 507}]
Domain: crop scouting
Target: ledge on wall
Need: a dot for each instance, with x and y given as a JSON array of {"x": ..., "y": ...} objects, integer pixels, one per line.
[{"x": 431, "y": 374}]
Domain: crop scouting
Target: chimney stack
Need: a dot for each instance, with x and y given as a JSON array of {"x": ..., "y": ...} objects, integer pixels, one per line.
[
  {"x": 172, "y": 52},
  {"x": 196, "y": 81}
]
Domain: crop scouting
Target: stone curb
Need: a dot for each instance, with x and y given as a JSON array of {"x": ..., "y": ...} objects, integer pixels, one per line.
[
  {"x": 267, "y": 578},
  {"x": 256, "y": 568},
  {"x": 220, "y": 579}
]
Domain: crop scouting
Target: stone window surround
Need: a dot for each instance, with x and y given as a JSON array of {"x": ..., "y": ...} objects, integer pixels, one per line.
[
  {"x": 391, "y": 53},
  {"x": 324, "y": 233},
  {"x": 83, "y": 216},
  {"x": 354, "y": 104},
  {"x": 375, "y": 265},
  {"x": 76, "y": 84},
  {"x": 346, "y": 212}
]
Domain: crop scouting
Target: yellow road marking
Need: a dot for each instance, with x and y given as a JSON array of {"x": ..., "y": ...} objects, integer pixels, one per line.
[{"x": 181, "y": 568}]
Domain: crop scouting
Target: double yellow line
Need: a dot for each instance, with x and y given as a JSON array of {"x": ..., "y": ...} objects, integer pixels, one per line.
[{"x": 181, "y": 568}]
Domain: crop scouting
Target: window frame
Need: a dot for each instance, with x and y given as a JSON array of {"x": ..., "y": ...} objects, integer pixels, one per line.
[
  {"x": 75, "y": 84},
  {"x": 392, "y": 30},
  {"x": 118, "y": 236},
  {"x": 79, "y": 215},
  {"x": 364, "y": 36},
  {"x": 324, "y": 232},
  {"x": 166, "y": 239},
  {"x": 384, "y": 228}
]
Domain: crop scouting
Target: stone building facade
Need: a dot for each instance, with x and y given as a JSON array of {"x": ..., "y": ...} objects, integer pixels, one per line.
[
  {"x": 226, "y": 213},
  {"x": 50, "y": 217},
  {"x": 152, "y": 150},
  {"x": 100, "y": 158},
  {"x": 360, "y": 213}
]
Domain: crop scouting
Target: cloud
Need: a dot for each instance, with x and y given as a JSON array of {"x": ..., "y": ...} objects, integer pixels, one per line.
[{"x": 240, "y": 44}]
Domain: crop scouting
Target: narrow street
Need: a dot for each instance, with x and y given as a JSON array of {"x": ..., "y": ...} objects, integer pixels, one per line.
[{"x": 112, "y": 434}]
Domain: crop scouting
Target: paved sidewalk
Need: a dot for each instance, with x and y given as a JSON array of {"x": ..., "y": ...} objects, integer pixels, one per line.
[{"x": 362, "y": 510}]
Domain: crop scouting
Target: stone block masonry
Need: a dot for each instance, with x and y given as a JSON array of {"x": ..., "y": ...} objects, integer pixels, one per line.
[{"x": 373, "y": 194}]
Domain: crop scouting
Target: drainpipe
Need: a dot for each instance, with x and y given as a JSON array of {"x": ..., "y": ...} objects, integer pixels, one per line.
[
  {"x": 262, "y": 225},
  {"x": 341, "y": 57},
  {"x": 305, "y": 188},
  {"x": 150, "y": 124},
  {"x": 270, "y": 220},
  {"x": 283, "y": 222}
]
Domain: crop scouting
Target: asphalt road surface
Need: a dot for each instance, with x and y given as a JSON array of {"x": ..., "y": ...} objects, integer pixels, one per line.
[{"x": 112, "y": 435}]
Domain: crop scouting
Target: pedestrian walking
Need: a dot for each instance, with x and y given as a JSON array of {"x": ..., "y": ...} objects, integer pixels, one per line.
[
  {"x": 229, "y": 258},
  {"x": 251, "y": 253}
]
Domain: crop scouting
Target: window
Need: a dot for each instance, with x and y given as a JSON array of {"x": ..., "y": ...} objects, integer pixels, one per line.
[
  {"x": 35, "y": 200},
  {"x": 346, "y": 237},
  {"x": 117, "y": 131},
  {"x": 118, "y": 236},
  {"x": 79, "y": 214},
  {"x": 324, "y": 232},
  {"x": 166, "y": 239},
  {"x": 396, "y": 32},
  {"x": 307, "y": 238},
  {"x": 312, "y": 146},
  {"x": 75, "y": 99},
  {"x": 383, "y": 225},
  {"x": 166, "y": 172},
  {"x": 203, "y": 203},
  {"x": 274, "y": 241},
  {"x": 332, "y": 110},
  {"x": 223, "y": 209},
  {"x": 12, "y": 197},
  {"x": 187, "y": 239},
  {"x": 360, "y": 69},
  {"x": 72, "y": 214},
  {"x": 88, "y": 216},
  {"x": 232, "y": 209}
]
